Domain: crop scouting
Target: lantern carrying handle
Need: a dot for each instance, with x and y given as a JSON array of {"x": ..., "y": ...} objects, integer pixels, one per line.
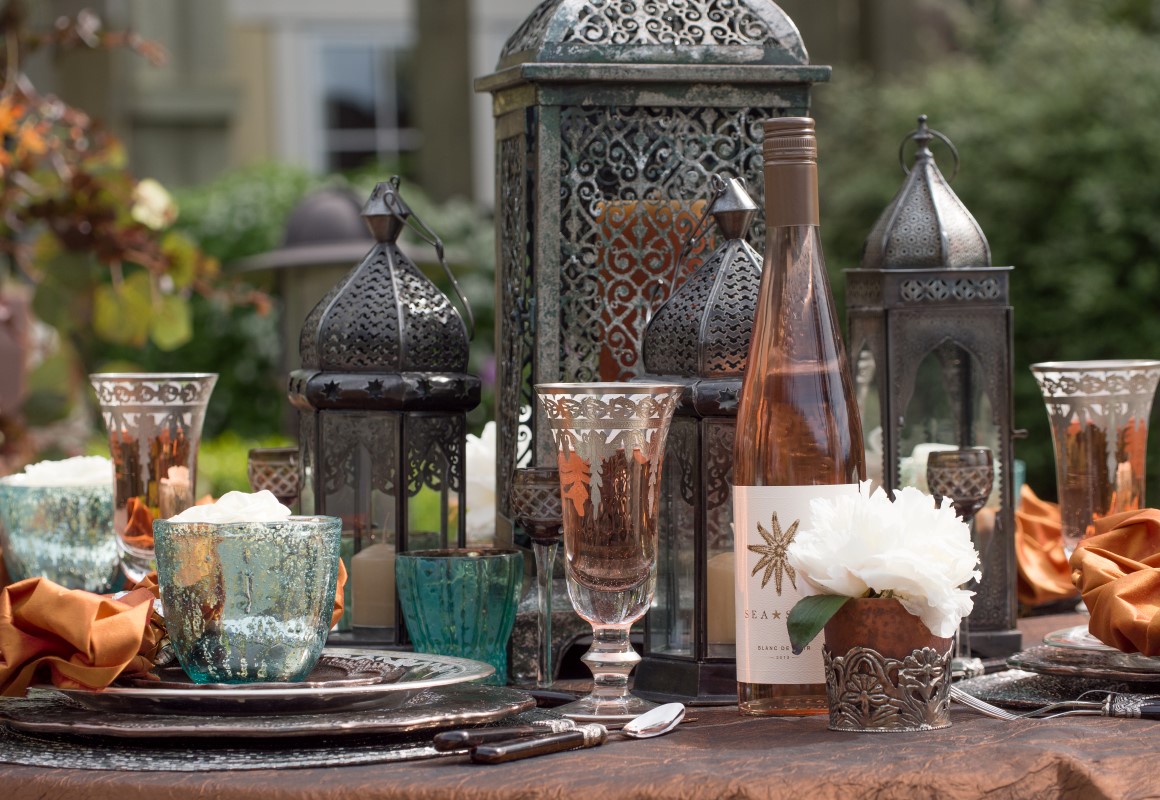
[
  {"x": 430, "y": 237},
  {"x": 717, "y": 187},
  {"x": 922, "y": 134}
]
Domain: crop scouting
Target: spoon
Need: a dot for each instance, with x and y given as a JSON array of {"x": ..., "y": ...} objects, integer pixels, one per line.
[{"x": 655, "y": 722}]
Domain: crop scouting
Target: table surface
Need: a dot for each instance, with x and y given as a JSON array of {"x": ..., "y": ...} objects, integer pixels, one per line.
[{"x": 718, "y": 754}]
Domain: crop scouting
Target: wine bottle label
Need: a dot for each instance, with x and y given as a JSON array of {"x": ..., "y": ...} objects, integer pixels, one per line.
[{"x": 765, "y": 521}]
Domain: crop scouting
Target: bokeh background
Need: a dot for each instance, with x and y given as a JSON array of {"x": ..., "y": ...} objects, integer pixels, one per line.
[{"x": 1054, "y": 107}]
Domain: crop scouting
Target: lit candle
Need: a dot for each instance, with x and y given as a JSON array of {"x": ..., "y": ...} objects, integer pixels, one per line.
[
  {"x": 722, "y": 599},
  {"x": 372, "y": 581}
]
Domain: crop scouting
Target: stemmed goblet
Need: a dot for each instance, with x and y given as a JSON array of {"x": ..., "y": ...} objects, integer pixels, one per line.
[
  {"x": 610, "y": 441},
  {"x": 965, "y": 476},
  {"x": 534, "y": 496}
]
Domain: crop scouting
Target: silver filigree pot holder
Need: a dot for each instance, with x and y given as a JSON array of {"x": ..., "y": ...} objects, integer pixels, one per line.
[{"x": 870, "y": 692}]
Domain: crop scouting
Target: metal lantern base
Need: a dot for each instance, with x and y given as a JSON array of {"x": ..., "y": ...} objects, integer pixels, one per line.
[{"x": 668, "y": 680}]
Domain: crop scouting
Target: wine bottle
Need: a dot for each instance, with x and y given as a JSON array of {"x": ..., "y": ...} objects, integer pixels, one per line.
[{"x": 798, "y": 437}]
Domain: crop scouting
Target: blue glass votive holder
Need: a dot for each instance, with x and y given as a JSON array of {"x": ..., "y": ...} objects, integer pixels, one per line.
[
  {"x": 63, "y": 533},
  {"x": 248, "y": 601},
  {"x": 461, "y": 602}
]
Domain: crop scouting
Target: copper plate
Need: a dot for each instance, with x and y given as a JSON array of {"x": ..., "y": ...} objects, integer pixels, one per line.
[{"x": 48, "y": 712}]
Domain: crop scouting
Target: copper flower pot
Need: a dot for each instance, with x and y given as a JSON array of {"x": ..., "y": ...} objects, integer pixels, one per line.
[{"x": 885, "y": 670}]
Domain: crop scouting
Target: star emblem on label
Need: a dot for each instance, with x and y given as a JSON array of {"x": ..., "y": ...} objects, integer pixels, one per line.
[{"x": 772, "y": 553}]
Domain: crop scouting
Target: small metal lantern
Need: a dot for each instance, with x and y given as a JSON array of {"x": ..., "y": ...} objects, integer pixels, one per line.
[
  {"x": 931, "y": 331},
  {"x": 607, "y": 115},
  {"x": 700, "y": 338},
  {"x": 383, "y": 396}
]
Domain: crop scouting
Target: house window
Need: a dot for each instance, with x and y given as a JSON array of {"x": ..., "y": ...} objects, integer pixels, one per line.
[{"x": 367, "y": 112}]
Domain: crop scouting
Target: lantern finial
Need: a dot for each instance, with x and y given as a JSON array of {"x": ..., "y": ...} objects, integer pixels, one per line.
[{"x": 926, "y": 225}]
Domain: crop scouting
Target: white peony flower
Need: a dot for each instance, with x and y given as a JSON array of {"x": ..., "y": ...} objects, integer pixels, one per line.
[
  {"x": 864, "y": 545},
  {"x": 153, "y": 206},
  {"x": 480, "y": 465}
]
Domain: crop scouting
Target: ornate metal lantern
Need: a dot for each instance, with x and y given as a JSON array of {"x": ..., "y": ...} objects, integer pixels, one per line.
[
  {"x": 931, "y": 333},
  {"x": 383, "y": 395},
  {"x": 700, "y": 337},
  {"x": 607, "y": 115}
]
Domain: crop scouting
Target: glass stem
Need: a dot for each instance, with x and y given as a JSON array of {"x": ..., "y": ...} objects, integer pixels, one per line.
[
  {"x": 545, "y": 564},
  {"x": 611, "y": 659}
]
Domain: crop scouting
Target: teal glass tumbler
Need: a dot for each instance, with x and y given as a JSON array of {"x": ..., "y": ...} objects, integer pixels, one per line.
[
  {"x": 461, "y": 602},
  {"x": 63, "y": 533},
  {"x": 248, "y": 601}
]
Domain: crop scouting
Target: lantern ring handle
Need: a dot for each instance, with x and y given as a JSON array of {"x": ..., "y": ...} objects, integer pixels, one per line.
[
  {"x": 430, "y": 237},
  {"x": 924, "y": 134}
]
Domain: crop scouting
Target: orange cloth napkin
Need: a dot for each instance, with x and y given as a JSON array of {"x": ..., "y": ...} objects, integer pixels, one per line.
[
  {"x": 1044, "y": 574},
  {"x": 81, "y": 639},
  {"x": 1117, "y": 569}
]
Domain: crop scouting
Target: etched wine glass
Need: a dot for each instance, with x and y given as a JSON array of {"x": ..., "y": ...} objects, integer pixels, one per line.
[
  {"x": 534, "y": 496},
  {"x": 966, "y": 477},
  {"x": 610, "y": 441}
]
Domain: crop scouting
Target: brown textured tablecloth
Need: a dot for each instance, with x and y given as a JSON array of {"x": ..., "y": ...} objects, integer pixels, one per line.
[{"x": 720, "y": 755}]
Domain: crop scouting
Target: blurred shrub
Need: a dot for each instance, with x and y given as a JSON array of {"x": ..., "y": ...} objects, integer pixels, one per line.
[{"x": 1059, "y": 135}]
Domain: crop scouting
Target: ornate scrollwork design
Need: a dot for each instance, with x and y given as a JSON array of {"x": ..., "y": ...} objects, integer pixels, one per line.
[{"x": 869, "y": 692}]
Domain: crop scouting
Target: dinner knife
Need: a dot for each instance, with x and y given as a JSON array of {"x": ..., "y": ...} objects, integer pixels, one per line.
[
  {"x": 579, "y": 737},
  {"x": 457, "y": 740}
]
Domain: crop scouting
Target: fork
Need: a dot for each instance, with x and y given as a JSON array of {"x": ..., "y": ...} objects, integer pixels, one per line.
[{"x": 1104, "y": 708}]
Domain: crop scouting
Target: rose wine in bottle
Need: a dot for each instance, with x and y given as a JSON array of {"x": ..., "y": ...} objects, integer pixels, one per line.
[{"x": 798, "y": 432}]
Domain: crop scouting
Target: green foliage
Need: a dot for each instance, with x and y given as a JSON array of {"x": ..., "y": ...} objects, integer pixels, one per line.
[
  {"x": 244, "y": 212},
  {"x": 239, "y": 344},
  {"x": 1058, "y": 134},
  {"x": 222, "y": 462}
]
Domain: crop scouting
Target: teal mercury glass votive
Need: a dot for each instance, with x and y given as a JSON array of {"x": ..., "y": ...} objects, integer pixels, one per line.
[
  {"x": 248, "y": 601},
  {"x": 63, "y": 533},
  {"x": 461, "y": 602}
]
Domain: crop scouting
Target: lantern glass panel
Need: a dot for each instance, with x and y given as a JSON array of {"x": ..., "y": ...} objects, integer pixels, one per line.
[
  {"x": 719, "y": 594},
  {"x": 949, "y": 409},
  {"x": 870, "y": 409},
  {"x": 671, "y": 619},
  {"x": 435, "y": 446}
]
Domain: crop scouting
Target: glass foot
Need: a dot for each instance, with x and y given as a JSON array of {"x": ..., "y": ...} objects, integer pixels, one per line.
[{"x": 608, "y": 711}]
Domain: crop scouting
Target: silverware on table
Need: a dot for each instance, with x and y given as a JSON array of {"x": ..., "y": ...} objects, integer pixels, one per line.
[
  {"x": 461, "y": 739},
  {"x": 655, "y": 722},
  {"x": 1115, "y": 704}
]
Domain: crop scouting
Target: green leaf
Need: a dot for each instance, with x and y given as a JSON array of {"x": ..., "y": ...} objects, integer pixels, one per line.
[
  {"x": 809, "y": 616},
  {"x": 122, "y": 316},
  {"x": 172, "y": 323}
]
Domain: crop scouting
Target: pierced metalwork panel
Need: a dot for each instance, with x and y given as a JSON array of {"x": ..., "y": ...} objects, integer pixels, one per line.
[
  {"x": 704, "y": 328},
  {"x": 436, "y": 450},
  {"x": 514, "y": 376},
  {"x": 560, "y": 26},
  {"x": 681, "y": 22},
  {"x": 626, "y": 173},
  {"x": 354, "y": 444}
]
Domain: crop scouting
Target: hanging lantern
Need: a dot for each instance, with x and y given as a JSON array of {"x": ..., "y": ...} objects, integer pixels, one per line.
[
  {"x": 931, "y": 334},
  {"x": 383, "y": 396},
  {"x": 700, "y": 338},
  {"x": 607, "y": 116}
]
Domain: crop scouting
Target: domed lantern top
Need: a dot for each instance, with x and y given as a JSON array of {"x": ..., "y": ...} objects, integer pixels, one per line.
[
  {"x": 657, "y": 31},
  {"x": 703, "y": 329},
  {"x": 385, "y": 315},
  {"x": 926, "y": 226}
]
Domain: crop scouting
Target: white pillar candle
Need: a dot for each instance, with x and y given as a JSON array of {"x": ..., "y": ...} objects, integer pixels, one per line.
[
  {"x": 719, "y": 585},
  {"x": 372, "y": 586}
]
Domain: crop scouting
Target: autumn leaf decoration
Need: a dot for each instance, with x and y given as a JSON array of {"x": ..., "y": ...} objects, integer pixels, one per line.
[{"x": 574, "y": 476}]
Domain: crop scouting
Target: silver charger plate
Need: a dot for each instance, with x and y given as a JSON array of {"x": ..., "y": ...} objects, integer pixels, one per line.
[
  {"x": 50, "y": 712},
  {"x": 1015, "y": 688},
  {"x": 421, "y": 671},
  {"x": 173, "y": 755},
  {"x": 1105, "y": 665}
]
